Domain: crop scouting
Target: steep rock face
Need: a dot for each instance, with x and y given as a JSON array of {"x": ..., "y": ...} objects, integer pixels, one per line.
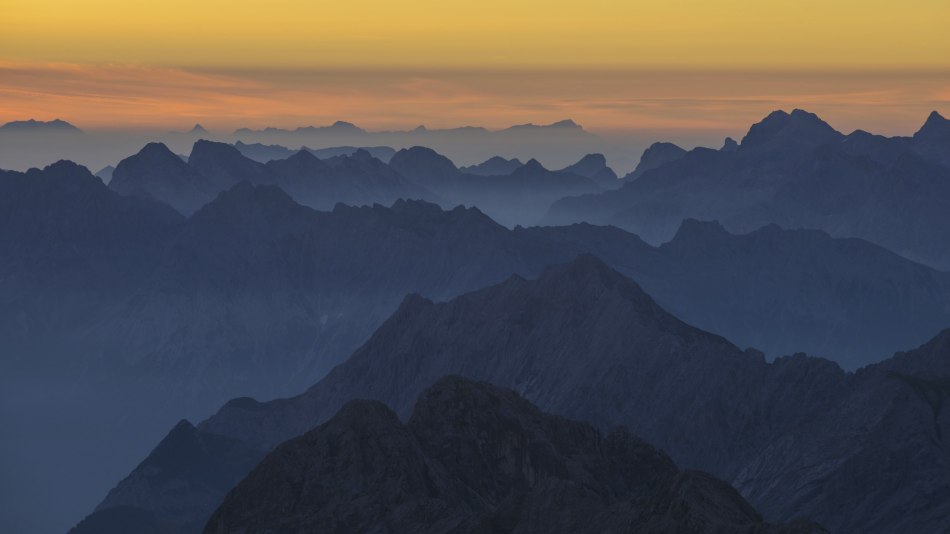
[
  {"x": 475, "y": 458},
  {"x": 793, "y": 170}
]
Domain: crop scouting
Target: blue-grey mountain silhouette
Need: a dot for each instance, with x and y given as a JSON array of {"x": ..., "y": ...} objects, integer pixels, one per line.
[
  {"x": 657, "y": 154},
  {"x": 797, "y": 171},
  {"x": 799, "y": 437},
  {"x": 594, "y": 166},
  {"x": 35, "y": 126}
]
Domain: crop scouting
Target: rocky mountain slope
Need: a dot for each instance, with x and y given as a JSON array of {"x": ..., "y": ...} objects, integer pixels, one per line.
[
  {"x": 475, "y": 458},
  {"x": 799, "y": 437}
]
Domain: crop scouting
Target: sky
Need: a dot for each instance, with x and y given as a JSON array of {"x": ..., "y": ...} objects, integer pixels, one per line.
[{"x": 682, "y": 66}]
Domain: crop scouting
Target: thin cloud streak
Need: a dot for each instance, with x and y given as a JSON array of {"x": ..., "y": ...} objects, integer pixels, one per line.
[{"x": 118, "y": 96}]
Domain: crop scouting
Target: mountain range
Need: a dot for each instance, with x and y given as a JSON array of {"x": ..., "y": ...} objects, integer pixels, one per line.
[
  {"x": 799, "y": 437},
  {"x": 795, "y": 170}
]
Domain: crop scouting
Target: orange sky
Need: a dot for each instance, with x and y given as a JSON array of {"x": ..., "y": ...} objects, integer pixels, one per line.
[{"x": 612, "y": 66}]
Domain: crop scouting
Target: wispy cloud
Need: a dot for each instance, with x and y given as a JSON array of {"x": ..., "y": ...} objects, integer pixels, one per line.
[{"x": 134, "y": 96}]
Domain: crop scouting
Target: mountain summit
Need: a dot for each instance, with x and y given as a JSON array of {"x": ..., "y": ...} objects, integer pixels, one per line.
[{"x": 476, "y": 458}]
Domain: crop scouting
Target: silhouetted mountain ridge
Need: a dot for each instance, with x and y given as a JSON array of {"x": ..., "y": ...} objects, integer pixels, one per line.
[{"x": 474, "y": 458}]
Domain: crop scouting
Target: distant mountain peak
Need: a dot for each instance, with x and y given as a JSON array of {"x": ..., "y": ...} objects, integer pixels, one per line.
[
  {"x": 35, "y": 125},
  {"x": 156, "y": 150},
  {"x": 729, "y": 145},
  {"x": 935, "y": 126},
  {"x": 495, "y": 165},
  {"x": 65, "y": 168},
  {"x": 198, "y": 129},
  {"x": 655, "y": 155},
  {"x": 593, "y": 159},
  {"x": 799, "y": 125},
  {"x": 566, "y": 123},
  {"x": 204, "y": 148},
  {"x": 532, "y": 165}
]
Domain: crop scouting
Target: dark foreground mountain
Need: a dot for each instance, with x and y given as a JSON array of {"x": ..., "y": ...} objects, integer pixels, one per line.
[
  {"x": 796, "y": 171},
  {"x": 475, "y": 458},
  {"x": 861, "y": 452}
]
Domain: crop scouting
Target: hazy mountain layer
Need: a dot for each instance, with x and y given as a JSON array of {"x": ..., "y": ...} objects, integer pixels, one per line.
[
  {"x": 796, "y": 171},
  {"x": 799, "y": 437}
]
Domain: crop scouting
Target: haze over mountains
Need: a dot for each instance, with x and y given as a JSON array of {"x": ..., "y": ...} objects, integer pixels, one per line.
[
  {"x": 796, "y": 171},
  {"x": 222, "y": 270},
  {"x": 799, "y": 437},
  {"x": 557, "y": 144}
]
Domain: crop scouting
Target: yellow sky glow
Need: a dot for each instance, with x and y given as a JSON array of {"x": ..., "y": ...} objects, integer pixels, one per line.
[
  {"x": 609, "y": 64},
  {"x": 482, "y": 33}
]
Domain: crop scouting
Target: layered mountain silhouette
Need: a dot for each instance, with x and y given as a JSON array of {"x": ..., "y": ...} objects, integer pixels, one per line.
[
  {"x": 475, "y": 458},
  {"x": 799, "y": 437},
  {"x": 264, "y": 153},
  {"x": 294, "y": 291},
  {"x": 558, "y": 143},
  {"x": 356, "y": 178},
  {"x": 795, "y": 170},
  {"x": 520, "y": 197},
  {"x": 68, "y": 245}
]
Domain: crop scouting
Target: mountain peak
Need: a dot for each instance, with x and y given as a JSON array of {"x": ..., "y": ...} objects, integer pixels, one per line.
[
  {"x": 204, "y": 148},
  {"x": 566, "y": 123},
  {"x": 156, "y": 151},
  {"x": 729, "y": 145},
  {"x": 532, "y": 165},
  {"x": 587, "y": 274},
  {"x": 33, "y": 125},
  {"x": 198, "y": 129},
  {"x": 247, "y": 204},
  {"x": 782, "y": 128},
  {"x": 494, "y": 166},
  {"x": 935, "y": 126},
  {"x": 346, "y": 126},
  {"x": 657, "y": 154}
]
